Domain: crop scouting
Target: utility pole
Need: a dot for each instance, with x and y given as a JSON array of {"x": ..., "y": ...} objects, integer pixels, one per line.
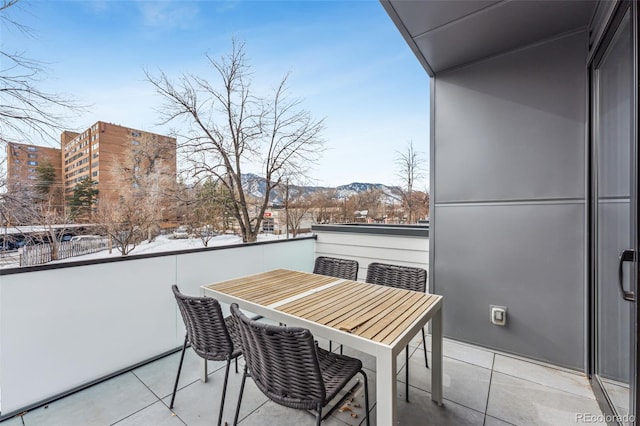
[{"x": 286, "y": 206}]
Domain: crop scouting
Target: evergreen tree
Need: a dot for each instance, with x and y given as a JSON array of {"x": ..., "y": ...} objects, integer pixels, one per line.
[
  {"x": 46, "y": 177},
  {"x": 84, "y": 199}
]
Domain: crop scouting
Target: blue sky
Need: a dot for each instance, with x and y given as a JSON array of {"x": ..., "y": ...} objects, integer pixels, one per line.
[{"x": 346, "y": 58}]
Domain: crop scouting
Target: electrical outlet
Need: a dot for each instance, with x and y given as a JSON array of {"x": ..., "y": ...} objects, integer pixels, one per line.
[{"x": 498, "y": 315}]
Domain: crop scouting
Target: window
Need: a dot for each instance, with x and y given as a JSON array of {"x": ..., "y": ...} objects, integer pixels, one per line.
[
  {"x": 136, "y": 134},
  {"x": 32, "y": 163},
  {"x": 32, "y": 148},
  {"x": 32, "y": 156},
  {"x": 16, "y": 161},
  {"x": 32, "y": 177},
  {"x": 94, "y": 174},
  {"x": 32, "y": 170},
  {"x": 135, "y": 142}
]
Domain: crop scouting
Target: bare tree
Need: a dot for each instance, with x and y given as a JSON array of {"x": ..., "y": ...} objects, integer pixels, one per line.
[
  {"x": 25, "y": 110},
  {"x": 207, "y": 207},
  {"x": 229, "y": 126},
  {"x": 148, "y": 173},
  {"x": 143, "y": 183},
  {"x": 124, "y": 222},
  {"x": 297, "y": 206},
  {"x": 409, "y": 163}
]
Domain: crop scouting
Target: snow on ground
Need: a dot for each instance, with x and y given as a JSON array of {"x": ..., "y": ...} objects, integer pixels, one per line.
[{"x": 162, "y": 243}]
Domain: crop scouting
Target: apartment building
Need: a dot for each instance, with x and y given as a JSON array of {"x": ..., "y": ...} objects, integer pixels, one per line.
[
  {"x": 106, "y": 152},
  {"x": 23, "y": 161},
  {"x": 113, "y": 156}
]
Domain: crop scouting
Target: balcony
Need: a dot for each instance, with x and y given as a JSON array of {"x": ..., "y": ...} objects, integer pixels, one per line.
[{"x": 95, "y": 343}]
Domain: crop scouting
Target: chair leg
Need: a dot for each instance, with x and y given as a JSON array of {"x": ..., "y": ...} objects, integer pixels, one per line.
[
  {"x": 424, "y": 346},
  {"x": 175, "y": 387},
  {"x": 330, "y": 346},
  {"x": 236, "y": 365},
  {"x": 366, "y": 394},
  {"x": 319, "y": 415},
  {"x": 341, "y": 349},
  {"x": 224, "y": 390},
  {"x": 244, "y": 377},
  {"x": 406, "y": 372}
]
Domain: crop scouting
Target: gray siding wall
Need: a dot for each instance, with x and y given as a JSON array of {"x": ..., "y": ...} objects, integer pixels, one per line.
[{"x": 508, "y": 218}]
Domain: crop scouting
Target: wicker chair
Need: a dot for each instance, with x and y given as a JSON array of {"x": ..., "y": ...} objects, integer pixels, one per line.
[
  {"x": 339, "y": 268},
  {"x": 211, "y": 336},
  {"x": 334, "y": 267},
  {"x": 290, "y": 369},
  {"x": 407, "y": 278}
]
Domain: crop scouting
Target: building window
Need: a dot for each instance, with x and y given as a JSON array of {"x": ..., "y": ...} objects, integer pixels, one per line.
[
  {"x": 135, "y": 142},
  {"x": 16, "y": 161},
  {"x": 32, "y": 156},
  {"x": 32, "y": 170},
  {"x": 136, "y": 134},
  {"x": 32, "y": 177},
  {"x": 94, "y": 174},
  {"x": 32, "y": 148},
  {"x": 32, "y": 163}
]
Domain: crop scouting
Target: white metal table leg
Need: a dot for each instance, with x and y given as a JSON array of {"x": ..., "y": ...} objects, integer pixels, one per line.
[
  {"x": 386, "y": 388},
  {"x": 436, "y": 359}
]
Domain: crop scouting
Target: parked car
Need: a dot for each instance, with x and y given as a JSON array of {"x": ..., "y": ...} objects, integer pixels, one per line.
[
  {"x": 181, "y": 233},
  {"x": 86, "y": 238}
]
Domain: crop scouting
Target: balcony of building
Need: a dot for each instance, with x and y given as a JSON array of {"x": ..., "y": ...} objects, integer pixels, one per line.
[{"x": 97, "y": 343}]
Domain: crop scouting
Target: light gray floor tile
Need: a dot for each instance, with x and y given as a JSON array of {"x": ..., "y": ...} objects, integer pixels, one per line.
[
  {"x": 274, "y": 414},
  {"x": 353, "y": 410},
  {"x": 160, "y": 375},
  {"x": 575, "y": 383},
  {"x": 102, "y": 404},
  {"x": 423, "y": 412},
  {"x": 157, "y": 414},
  {"x": 464, "y": 352},
  {"x": 523, "y": 402},
  {"x": 13, "y": 421},
  {"x": 463, "y": 383},
  {"x": 199, "y": 403},
  {"x": 492, "y": 421}
]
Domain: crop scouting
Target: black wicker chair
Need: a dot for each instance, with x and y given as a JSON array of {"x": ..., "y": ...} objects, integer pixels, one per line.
[
  {"x": 334, "y": 267},
  {"x": 290, "y": 369},
  {"x": 407, "y": 278},
  {"x": 339, "y": 268},
  {"x": 211, "y": 336}
]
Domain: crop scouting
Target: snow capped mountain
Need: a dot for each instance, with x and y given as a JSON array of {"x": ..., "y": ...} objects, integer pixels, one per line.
[{"x": 256, "y": 186}]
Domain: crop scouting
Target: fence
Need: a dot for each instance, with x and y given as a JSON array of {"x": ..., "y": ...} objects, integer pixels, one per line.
[{"x": 41, "y": 253}]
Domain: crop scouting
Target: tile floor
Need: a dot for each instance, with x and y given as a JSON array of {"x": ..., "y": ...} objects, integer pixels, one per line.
[{"x": 480, "y": 388}]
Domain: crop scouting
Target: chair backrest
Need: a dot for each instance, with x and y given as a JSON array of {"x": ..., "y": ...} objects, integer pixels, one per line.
[
  {"x": 206, "y": 329},
  {"x": 282, "y": 362},
  {"x": 334, "y": 267},
  {"x": 405, "y": 277}
]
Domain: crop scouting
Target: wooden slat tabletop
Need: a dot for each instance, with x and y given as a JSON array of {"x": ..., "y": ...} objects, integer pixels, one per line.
[
  {"x": 372, "y": 311},
  {"x": 271, "y": 287}
]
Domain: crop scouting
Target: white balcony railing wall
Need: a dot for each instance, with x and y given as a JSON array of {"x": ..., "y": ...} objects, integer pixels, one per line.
[
  {"x": 65, "y": 326},
  {"x": 396, "y": 244}
]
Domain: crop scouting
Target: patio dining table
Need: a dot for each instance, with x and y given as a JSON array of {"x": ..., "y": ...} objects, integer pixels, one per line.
[{"x": 373, "y": 319}]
